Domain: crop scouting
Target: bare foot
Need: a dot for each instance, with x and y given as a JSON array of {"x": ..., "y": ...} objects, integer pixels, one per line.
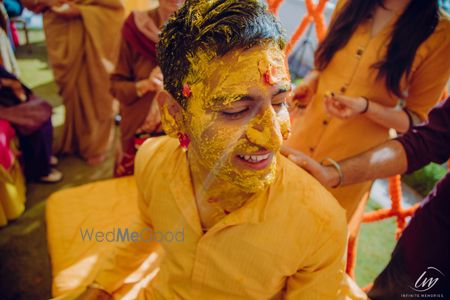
[{"x": 95, "y": 160}]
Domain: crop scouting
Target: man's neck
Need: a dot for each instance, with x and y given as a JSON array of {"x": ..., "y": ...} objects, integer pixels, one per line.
[{"x": 213, "y": 194}]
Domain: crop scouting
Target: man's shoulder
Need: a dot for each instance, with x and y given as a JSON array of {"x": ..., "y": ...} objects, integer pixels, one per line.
[
  {"x": 306, "y": 196},
  {"x": 154, "y": 154}
]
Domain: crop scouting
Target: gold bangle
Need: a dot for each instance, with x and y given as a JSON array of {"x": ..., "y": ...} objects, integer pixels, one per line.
[{"x": 338, "y": 169}]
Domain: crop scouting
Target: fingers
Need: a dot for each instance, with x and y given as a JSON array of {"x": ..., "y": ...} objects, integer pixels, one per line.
[
  {"x": 300, "y": 91},
  {"x": 343, "y": 100},
  {"x": 286, "y": 151},
  {"x": 296, "y": 156},
  {"x": 156, "y": 84},
  {"x": 299, "y": 95},
  {"x": 156, "y": 73},
  {"x": 336, "y": 108},
  {"x": 298, "y": 161}
]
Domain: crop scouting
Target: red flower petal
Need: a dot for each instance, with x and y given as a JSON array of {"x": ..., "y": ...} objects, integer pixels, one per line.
[{"x": 186, "y": 90}]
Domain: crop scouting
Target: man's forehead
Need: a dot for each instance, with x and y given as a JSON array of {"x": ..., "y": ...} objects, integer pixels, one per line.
[
  {"x": 203, "y": 60},
  {"x": 236, "y": 72}
]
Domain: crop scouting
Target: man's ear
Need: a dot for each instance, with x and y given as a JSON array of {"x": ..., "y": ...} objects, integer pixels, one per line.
[{"x": 171, "y": 114}]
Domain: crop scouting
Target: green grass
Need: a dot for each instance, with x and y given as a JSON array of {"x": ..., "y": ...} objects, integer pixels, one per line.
[
  {"x": 24, "y": 262},
  {"x": 376, "y": 242},
  {"x": 424, "y": 180}
]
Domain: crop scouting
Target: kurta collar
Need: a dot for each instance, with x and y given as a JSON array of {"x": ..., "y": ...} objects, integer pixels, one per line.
[{"x": 180, "y": 184}]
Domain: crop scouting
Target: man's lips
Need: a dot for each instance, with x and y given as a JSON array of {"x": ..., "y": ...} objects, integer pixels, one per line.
[{"x": 256, "y": 161}]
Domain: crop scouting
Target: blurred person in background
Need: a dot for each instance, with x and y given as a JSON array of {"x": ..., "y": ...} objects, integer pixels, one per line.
[
  {"x": 137, "y": 79},
  {"x": 31, "y": 118},
  {"x": 82, "y": 39}
]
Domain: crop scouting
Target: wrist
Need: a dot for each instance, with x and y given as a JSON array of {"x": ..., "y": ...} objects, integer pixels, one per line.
[
  {"x": 366, "y": 106},
  {"x": 332, "y": 179},
  {"x": 335, "y": 176}
]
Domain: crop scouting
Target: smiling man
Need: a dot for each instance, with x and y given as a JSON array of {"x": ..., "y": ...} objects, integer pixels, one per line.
[{"x": 255, "y": 225}]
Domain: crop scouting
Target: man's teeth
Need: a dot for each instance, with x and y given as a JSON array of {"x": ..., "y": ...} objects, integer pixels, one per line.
[{"x": 254, "y": 158}]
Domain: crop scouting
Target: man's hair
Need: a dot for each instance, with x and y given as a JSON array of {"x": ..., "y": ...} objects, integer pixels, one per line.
[{"x": 214, "y": 26}]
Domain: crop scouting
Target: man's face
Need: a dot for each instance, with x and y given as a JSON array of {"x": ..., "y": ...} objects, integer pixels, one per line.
[{"x": 236, "y": 116}]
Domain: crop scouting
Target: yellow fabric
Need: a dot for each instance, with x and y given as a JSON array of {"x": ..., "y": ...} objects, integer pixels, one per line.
[
  {"x": 291, "y": 235},
  {"x": 12, "y": 193},
  {"x": 102, "y": 206},
  {"x": 82, "y": 52},
  {"x": 141, "y": 5},
  {"x": 320, "y": 136}
]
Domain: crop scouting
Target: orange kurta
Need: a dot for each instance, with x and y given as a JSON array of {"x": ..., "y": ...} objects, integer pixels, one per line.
[
  {"x": 350, "y": 73},
  {"x": 82, "y": 53}
]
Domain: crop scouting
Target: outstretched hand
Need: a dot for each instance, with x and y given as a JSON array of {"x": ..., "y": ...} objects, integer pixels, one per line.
[{"x": 344, "y": 107}]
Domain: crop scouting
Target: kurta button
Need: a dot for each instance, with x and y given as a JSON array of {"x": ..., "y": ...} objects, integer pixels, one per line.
[
  {"x": 359, "y": 52},
  {"x": 311, "y": 149},
  {"x": 343, "y": 89},
  {"x": 325, "y": 122}
]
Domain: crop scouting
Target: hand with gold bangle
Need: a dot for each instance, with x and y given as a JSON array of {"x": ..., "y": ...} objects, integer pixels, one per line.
[{"x": 328, "y": 172}]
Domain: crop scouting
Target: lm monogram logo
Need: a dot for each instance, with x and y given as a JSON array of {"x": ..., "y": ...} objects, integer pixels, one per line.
[{"x": 426, "y": 281}]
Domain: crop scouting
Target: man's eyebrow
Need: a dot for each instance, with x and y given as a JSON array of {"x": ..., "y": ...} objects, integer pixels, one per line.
[{"x": 232, "y": 98}]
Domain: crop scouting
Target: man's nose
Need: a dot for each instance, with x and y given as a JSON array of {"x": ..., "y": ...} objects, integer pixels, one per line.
[{"x": 264, "y": 130}]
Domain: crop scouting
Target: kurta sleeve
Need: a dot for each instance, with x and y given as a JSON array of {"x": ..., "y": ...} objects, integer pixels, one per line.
[
  {"x": 129, "y": 256},
  {"x": 123, "y": 79},
  {"x": 429, "y": 142},
  {"x": 323, "y": 275},
  {"x": 430, "y": 78}
]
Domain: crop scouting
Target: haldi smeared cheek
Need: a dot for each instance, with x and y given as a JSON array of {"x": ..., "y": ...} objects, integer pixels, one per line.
[{"x": 235, "y": 128}]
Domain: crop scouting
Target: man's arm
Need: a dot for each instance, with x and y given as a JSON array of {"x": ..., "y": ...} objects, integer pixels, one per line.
[{"x": 320, "y": 275}]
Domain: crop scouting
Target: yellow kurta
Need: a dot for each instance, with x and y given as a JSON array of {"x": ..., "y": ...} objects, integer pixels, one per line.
[
  {"x": 290, "y": 236},
  {"x": 350, "y": 73},
  {"x": 82, "y": 52}
]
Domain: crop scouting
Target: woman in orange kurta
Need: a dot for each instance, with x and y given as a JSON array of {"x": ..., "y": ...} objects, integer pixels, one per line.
[{"x": 352, "y": 103}]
